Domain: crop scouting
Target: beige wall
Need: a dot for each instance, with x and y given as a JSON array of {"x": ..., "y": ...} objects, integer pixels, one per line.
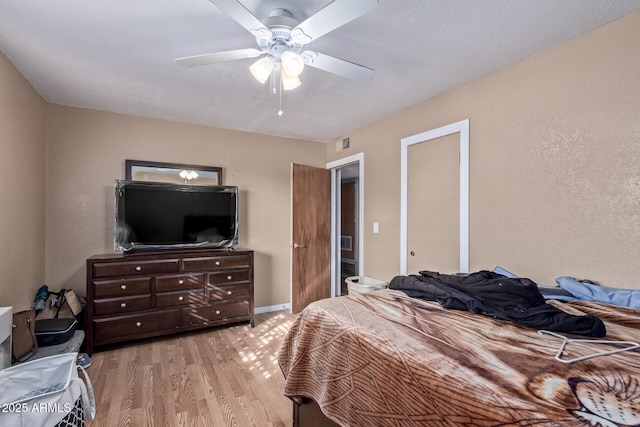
[
  {"x": 555, "y": 163},
  {"x": 22, "y": 193},
  {"x": 86, "y": 150}
]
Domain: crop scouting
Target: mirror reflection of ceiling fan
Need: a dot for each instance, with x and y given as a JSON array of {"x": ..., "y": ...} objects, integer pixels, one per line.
[{"x": 281, "y": 40}]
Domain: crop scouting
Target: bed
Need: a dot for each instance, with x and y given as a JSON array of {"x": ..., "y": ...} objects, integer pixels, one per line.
[{"x": 387, "y": 359}]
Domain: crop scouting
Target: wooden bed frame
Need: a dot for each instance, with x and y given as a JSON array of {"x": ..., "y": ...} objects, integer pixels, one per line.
[{"x": 307, "y": 413}]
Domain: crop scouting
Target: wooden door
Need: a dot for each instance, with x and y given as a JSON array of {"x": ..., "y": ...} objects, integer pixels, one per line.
[{"x": 311, "y": 235}]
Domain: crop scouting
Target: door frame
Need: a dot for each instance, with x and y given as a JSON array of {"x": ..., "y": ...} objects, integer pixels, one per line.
[
  {"x": 335, "y": 166},
  {"x": 462, "y": 128}
]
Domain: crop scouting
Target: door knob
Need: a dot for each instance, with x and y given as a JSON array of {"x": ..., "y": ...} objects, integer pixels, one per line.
[{"x": 297, "y": 246}]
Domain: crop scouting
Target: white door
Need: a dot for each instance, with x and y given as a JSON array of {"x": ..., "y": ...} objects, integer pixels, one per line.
[
  {"x": 429, "y": 163},
  {"x": 433, "y": 206}
]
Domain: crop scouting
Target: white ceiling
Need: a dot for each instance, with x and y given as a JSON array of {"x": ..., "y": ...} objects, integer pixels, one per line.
[{"x": 118, "y": 56}]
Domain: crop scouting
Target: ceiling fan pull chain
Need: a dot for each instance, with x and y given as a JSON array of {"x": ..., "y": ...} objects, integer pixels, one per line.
[
  {"x": 273, "y": 83},
  {"x": 280, "y": 112}
]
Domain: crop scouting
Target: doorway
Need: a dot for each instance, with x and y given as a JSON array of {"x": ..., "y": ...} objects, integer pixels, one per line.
[
  {"x": 349, "y": 236},
  {"x": 347, "y": 202}
]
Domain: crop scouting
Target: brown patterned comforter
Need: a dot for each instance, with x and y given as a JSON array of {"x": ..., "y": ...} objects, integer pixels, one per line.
[{"x": 385, "y": 359}]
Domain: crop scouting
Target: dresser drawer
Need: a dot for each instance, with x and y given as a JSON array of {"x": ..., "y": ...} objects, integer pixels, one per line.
[
  {"x": 172, "y": 299},
  {"x": 135, "y": 268},
  {"x": 179, "y": 282},
  {"x": 228, "y": 277},
  {"x": 119, "y": 306},
  {"x": 213, "y": 313},
  {"x": 219, "y": 293},
  {"x": 122, "y": 287},
  {"x": 124, "y": 328},
  {"x": 215, "y": 263}
]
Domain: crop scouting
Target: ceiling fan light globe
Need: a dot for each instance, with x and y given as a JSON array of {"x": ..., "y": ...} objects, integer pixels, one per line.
[
  {"x": 292, "y": 63},
  {"x": 289, "y": 82},
  {"x": 261, "y": 69}
]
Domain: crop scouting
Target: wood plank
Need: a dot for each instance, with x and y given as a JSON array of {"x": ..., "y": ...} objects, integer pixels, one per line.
[{"x": 224, "y": 376}]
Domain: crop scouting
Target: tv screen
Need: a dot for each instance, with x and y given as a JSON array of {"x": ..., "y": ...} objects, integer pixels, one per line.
[{"x": 162, "y": 215}]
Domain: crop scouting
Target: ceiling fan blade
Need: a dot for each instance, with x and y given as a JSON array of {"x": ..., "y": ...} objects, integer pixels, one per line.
[
  {"x": 225, "y": 56},
  {"x": 336, "y": 66},
  {"x": 332, "y": 16},
  {"x": 242, "y": 16}
]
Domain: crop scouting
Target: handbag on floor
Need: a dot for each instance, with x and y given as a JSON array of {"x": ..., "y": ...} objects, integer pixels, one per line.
[
  {"x": 23, "y": 338},
  {"x": 46, "y": 392},
  {"x": 63, "y": 304}
]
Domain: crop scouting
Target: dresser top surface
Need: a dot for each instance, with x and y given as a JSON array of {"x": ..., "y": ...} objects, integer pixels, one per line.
[{"x": 168, "y": 253}]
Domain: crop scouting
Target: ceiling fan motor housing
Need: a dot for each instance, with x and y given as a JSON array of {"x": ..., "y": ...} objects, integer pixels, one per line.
[
  {"x": 280, "y": 17},
  {"x": 279, "y": 22}
]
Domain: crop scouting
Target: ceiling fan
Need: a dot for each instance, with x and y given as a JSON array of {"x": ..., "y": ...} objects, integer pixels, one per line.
[{"x": 281, "y": 40}]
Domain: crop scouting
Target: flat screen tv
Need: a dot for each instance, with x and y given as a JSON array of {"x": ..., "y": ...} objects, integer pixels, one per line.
[{"x": 153, "y": 215}]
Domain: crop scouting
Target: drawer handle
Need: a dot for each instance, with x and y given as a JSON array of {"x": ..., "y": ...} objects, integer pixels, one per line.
[
  {"x": 180, "y": 282},
  {"x": 229, "y": 277},
  {"x": 123, "y": 305},
  {"x": 138, "y": 268},
  {"x": 138, "y": 324},
  {"x": 180, "y": 298},
  {"x": 218, "y": 312},
  {"x": 229, "y": 293},
  {"x": 123, "y": 287},
  {"x": 217, "y": 262}
]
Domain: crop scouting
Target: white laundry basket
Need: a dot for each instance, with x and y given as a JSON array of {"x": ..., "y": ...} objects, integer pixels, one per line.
[
  {"x": 362, "y": 284},
  {"x": 46, "y": 392}
]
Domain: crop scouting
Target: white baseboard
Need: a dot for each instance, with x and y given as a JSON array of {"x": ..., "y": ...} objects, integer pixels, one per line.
[{"x": 270, "y": 308}]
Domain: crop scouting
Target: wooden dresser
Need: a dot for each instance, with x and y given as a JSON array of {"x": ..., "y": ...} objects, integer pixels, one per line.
[{"x": 146, "y": 294}]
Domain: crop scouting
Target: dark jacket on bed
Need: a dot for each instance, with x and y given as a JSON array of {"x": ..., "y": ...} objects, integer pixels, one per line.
[{"x": 492, "y": 294}]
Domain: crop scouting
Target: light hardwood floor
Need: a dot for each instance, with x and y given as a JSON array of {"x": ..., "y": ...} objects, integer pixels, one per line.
[{"x": 216, "y": 377}]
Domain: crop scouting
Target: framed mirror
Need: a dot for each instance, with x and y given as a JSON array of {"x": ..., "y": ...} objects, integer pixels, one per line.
[{"x": 176, "y": 173}]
